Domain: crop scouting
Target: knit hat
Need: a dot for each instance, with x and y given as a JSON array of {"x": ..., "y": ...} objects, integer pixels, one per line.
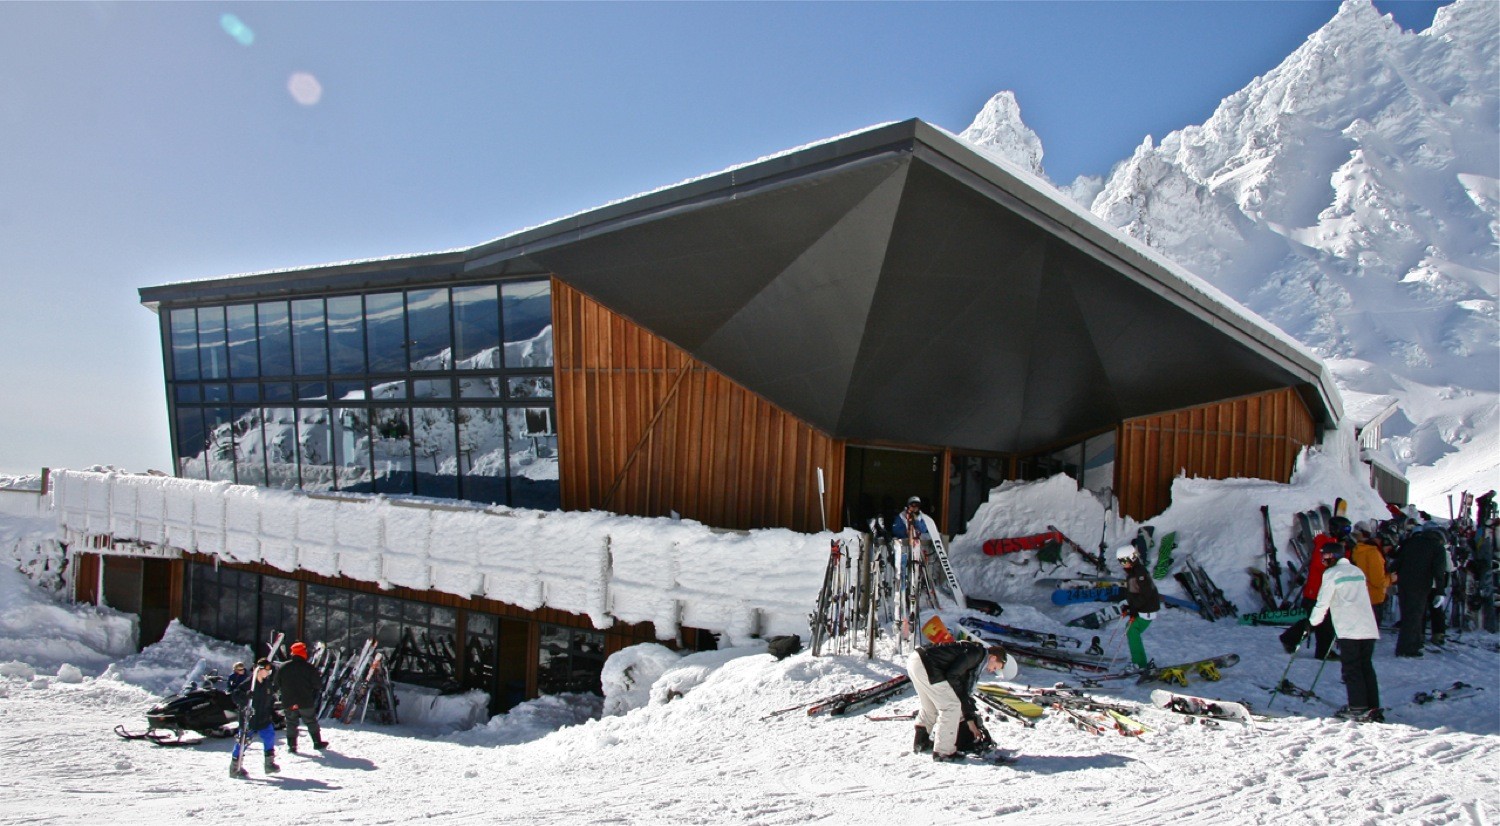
[{"x": 299, "y": 650}]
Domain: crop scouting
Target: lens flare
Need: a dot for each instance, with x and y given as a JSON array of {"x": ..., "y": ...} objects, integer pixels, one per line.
[
  {"x": 237, "y": 29},
  {"x": 305, "y": 88}
]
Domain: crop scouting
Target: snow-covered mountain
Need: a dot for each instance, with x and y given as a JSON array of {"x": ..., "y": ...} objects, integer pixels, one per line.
[{"x": 1349, "y": 196}]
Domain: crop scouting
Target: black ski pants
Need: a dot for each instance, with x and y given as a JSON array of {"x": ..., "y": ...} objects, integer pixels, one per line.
[
  {"x": 1415, "y": 599},
  {"x": 303, "y": 714},
  {"x": 1357, "y": 659},
  {"x": 1322, "y": 632}
]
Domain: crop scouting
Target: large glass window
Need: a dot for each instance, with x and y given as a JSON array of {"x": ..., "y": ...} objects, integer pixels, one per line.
[
  {"x": 249, "y": 447},
  {"x": 309, "y": 339},
  {"x": 527, "y": 310},
  {"x": 391, "y": 450},
  {"x": 220, "y": 443},
  {"x": 476, "y": 327},
  {"x": 281, "y": 446},
  {"x": 569, "y": 660},
  {"x": 436, "y": 446},
  {"x": 314, "y": 446},
  {"x": 244, "y": 360},
  {"x": 385, "y": 333},
  {"x": 396, "y": 392},
  {"x": 184, "y": 324},
  {"x": 427, "y": 321},
  {"x": 346, "y": 334},
  {"x": 213, "y": 351},
  {"x": 351, "y": 448},
  {"x": 275, "y": 338},
  {"x": 533, "y": 457},
  {"x": 278, "y": 608},
  {"x": 221, "y": 602}
]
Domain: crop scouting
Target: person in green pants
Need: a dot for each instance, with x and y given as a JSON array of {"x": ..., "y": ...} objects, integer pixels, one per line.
[{"x": 1141, "y": 602}]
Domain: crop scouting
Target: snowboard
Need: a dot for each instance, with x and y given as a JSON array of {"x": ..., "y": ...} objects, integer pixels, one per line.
[
  {"x": 1201, "y": 706},
  {"x": 1207, "y": 668},
  {"x": 1164, "y": 556},
  {"x": 936, "y": 631}
]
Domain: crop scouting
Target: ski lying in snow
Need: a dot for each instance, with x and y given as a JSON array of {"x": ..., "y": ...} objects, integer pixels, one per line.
[
  {"x": 885, "y": 718},
  {"x": 1207, "y": 668},
  {"x": 1016, "y": 544},
  {"x": 1008, "y": 704},
  {"x": 1201, "y": 706},
  {"x": 1057, "y": 660},
  {"x": 847, "y": 701},
  {"x": 1457, "y": 691},
  {"x": 1043, "y": 638}
]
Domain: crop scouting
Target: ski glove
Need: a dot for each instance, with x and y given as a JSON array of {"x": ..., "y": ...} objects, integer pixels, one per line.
[{"x": 1439, "y": 601}]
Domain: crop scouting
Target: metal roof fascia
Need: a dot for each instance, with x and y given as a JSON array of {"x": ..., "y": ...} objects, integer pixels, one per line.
[
  {"x": 1153, "y": 272},
  {"x": 318, "y": 278},
  {"x": 804, "y": 164}
]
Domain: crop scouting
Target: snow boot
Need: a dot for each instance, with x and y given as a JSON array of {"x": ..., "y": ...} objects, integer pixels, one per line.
[
  {"x": 236, "y": 771},
  {"x": 271, "y": 767},
  {"x": 320, "y": 744},
  {"x": 922, "y": 743},
  {"x": 945, "y": 758}
]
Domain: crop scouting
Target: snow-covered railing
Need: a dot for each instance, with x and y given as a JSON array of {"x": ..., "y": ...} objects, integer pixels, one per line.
[{"x": 608, "y": 567}]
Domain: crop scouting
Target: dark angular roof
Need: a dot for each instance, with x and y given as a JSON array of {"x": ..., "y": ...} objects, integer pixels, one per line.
[{"x": 896, "y": 285}]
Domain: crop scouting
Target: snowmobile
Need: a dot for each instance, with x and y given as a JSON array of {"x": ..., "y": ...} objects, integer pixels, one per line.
[{"x": 202, "y": 707}]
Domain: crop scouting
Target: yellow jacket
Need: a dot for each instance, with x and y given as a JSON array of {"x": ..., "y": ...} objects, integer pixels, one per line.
[{"x": 1368, "y": 559}]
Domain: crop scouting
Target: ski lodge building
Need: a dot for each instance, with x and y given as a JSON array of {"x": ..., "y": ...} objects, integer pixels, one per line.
[{"x": 801, "y": 342}]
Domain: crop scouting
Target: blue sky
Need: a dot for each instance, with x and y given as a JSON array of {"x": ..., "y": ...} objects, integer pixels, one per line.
[{"x": 144, "y": 143}]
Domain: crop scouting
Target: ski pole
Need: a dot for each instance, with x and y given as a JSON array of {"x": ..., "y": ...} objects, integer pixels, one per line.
[
  {"x": 1281, "y": 682},
  {"x": 1314, "y": 685},
  {"x": 1111, "y": 647}
]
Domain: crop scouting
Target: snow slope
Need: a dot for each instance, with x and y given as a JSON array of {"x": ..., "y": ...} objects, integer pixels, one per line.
[
  {"x": 1348, "y": 196},
  {"x": 682, "y": 739}
]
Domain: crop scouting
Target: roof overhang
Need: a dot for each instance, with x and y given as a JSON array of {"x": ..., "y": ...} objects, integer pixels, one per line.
[{"x": 894, "y": 285}]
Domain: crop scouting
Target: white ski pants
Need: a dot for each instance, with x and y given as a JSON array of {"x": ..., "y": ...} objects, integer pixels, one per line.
[{"x": 942, "y": 712}]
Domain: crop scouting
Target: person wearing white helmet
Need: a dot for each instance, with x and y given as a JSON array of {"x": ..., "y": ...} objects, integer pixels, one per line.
[
  {"x": 1141, "y": 603},
  {"x": 945, "y": 676},
  {"x": 910, "y": 521}
]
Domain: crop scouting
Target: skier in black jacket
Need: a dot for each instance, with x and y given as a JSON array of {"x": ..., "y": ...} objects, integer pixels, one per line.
[
  {"x": 300, "y": 684},
  {"x": 1142, "y": 601},
  {"x": 1420, "y": 567},
  {"x": 945, "y": 676},
  {"x": 257, "y": 702}
]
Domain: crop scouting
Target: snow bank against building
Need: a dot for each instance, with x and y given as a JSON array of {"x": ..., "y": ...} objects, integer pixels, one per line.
[
  {"x": 47, "y": 635},
  {"x": 1217, "y": 522},
  {"x": 610, "y": 568}
]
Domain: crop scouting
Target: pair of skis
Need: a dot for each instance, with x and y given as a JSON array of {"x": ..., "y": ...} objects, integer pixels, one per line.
[{"x": 843, "y": 702}]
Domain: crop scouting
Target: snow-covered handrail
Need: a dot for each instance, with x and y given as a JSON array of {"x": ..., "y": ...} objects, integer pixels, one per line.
[{"x": 604, "y": 566}]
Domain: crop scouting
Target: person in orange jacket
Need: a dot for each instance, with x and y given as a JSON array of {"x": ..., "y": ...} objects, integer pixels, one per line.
[{"x": 1367, "y": 557}]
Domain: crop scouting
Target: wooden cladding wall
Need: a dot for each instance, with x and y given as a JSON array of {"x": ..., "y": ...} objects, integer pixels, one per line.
[
  {"x": 645, "y": 429},
  {"x": 1254, "y": 436}
]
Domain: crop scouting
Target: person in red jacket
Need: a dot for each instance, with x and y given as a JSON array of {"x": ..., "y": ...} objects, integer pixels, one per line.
[{"x": 1338, "y": 530}]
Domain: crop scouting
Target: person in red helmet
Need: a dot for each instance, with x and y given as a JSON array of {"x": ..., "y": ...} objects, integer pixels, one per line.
[{"x": 300, "y": 683}]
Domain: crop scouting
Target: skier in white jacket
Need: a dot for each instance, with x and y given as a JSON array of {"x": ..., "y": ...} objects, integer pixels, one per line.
[{"x": 1344, "y": 597}]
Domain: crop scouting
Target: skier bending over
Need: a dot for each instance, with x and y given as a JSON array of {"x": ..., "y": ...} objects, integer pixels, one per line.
[
  {"x": 945, "y": 676},
  {"x": 1141, "y": 602},
  {"x": 256, "y": 702},
  {"x": 1345, "y": 599}
]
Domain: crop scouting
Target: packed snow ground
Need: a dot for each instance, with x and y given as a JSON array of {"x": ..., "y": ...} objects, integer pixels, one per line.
[{"x": 684, "y": 740}]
